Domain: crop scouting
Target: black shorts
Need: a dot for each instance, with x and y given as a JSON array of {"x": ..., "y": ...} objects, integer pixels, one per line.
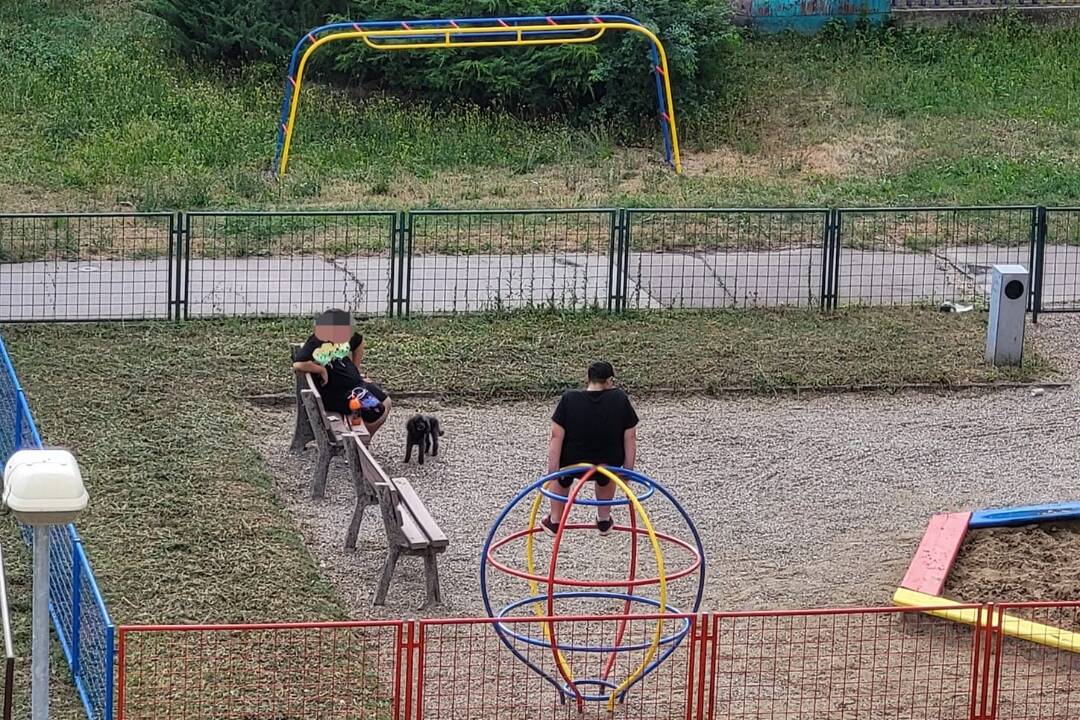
[{"x": 601, "y": 480}]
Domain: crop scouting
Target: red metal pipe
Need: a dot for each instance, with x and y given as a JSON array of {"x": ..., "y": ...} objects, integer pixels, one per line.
[
  {"x": 632, "y": 574},
  {"x": 573, "y": 582},
  {"x": 570, "y": 500}
]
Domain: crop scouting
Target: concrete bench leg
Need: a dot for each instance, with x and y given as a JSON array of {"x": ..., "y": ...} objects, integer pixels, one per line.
[
  {"x": 433, "y": 595},
  {"x": 387, "y": 573},
  {"x": 302, "y": 433},
  {"x": 327, "y": 451}
]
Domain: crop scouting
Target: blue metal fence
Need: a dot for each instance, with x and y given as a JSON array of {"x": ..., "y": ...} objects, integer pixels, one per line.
[{"x": 83, "y": 626}]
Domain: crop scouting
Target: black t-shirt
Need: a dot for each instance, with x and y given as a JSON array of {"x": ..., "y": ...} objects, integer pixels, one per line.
[
  {"x": 595, "y": 422},
  {"x": 342, "y": 375}
]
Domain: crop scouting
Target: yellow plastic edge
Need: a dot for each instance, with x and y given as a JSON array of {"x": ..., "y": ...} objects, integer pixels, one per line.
[{"x": 1011, "y": 625}]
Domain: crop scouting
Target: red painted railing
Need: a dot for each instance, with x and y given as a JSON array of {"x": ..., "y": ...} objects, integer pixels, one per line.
[{"x": 850, "y": 664}]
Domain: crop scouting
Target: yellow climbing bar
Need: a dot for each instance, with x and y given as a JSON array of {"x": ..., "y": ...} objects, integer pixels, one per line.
[
  {"x": 472, "y": 37},
  {"x": 534, "y": 587}
]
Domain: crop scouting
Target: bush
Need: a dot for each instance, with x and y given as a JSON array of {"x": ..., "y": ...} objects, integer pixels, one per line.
[
  {"x": 605, "y": 82},
  {"x": 238, "y": 30}
]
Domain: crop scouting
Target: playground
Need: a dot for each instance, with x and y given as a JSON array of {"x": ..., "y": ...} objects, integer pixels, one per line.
[
  {"x": 811, "y": 530},
  {"x": 801, "y": 501}
]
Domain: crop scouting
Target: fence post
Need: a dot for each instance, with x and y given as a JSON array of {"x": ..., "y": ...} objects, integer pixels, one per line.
[
  {"x": 1038, "y": 261},
  {"x": 837, "y": 246},
  {"x": 983, "y": 700},
  {"x": 698, "y": 678},
  {"x": 182, "y": 265},
  {"x": 997, "y": 638},
  {"x": 76, "y": 602},
  {"x": 170, "y": 291},
  {"x": 826, "y": 259},
  {"x": 109, "y": 660},
  {"x": 830, "y": 260},
  {"x": 407, "y": 655},
  {"x": 395, "y": 225},
  {"x": 614, "y": 235},
  {"x": 403, "y": 275},
  {"x": 616, "y": 248},
  {"x": 624, "y": 260}
]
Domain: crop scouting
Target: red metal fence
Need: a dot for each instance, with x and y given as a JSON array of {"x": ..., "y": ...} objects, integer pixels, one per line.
[
  {"x": 1030, "y": 680},
  {"x": 860, "y": 664}
]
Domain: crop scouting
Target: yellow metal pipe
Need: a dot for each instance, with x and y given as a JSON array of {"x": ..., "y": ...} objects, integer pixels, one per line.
[
  {"x": 534, "y": 588},
  {"x": 368, "y": 35}
]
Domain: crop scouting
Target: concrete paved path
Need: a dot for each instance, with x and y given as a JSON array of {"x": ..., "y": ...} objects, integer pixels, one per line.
[{"x": 293, "y": 285}]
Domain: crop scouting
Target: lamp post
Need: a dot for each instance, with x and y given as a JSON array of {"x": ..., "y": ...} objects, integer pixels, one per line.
[{"x": 42, "y": 488}]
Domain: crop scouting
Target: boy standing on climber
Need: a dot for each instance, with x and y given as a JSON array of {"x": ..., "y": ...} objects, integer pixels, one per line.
[
  {"x": 597, "y": 426},
  {"x": 332, "y": 355}
]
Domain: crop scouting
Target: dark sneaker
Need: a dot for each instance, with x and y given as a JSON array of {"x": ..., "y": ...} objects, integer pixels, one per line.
[
  {"x": 605, "y": 525},
  {"x": 549, "y": 527}
]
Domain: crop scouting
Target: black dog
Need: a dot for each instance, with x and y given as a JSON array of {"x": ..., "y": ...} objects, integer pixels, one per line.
[{"x": 424, "y": 432}]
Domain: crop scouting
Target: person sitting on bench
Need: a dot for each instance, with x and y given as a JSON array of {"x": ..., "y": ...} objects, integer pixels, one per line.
[{"x": 332, "y": 355}]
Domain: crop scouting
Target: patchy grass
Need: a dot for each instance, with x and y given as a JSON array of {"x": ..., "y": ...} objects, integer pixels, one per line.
[
  {"x": 527, "y": 354},
  {"x": 64, "y": 703},
  {"x": 185, "y": 524},
  {"x": 99, "y": 115}
]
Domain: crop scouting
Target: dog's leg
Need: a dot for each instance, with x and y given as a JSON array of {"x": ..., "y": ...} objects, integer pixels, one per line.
[
  {"x": 434, "y": 442},
  {"x": 408, "y": 449},
  {"x": 420, "y": 449}
]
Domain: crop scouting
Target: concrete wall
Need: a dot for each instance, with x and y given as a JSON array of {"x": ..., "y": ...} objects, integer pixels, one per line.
[{"x": 808, "y": 16}]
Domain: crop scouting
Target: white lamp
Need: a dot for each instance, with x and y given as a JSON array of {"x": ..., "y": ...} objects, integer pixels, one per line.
[{"x": 42, "y": 488}]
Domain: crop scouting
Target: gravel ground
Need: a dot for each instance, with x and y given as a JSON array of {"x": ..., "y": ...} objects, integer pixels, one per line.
[{"x": 801, "y": 501}]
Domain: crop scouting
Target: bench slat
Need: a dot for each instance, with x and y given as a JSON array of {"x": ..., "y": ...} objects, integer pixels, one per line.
[
  {"x": 373, "y": 472},
  {"x": 413, "y": 534},
  {"x": 420, "y": 513}
]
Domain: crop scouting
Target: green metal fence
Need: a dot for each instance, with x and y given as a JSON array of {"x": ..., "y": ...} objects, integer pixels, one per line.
[{"x": 57, "y": 267}]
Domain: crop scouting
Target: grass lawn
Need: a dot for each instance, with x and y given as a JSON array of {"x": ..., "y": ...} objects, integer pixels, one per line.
[
  {"x": 185, "y": 526},
  {"x": 100, "y": 115}
]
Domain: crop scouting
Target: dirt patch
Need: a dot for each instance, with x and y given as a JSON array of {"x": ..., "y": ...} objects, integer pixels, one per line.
[
  {"x": 1023, "y": 564},
  {"x": 863, "y": 152},
  {"x": 629, "y": 172}
]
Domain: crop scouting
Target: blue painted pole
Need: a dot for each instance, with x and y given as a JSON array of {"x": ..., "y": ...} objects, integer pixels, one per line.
[{"x": 76, "y": 604}]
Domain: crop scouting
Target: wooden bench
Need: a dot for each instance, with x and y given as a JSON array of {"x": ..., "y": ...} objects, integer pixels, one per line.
[
  {"x": 410, "y": 529},
  {"x": 313, "y": 422}
]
